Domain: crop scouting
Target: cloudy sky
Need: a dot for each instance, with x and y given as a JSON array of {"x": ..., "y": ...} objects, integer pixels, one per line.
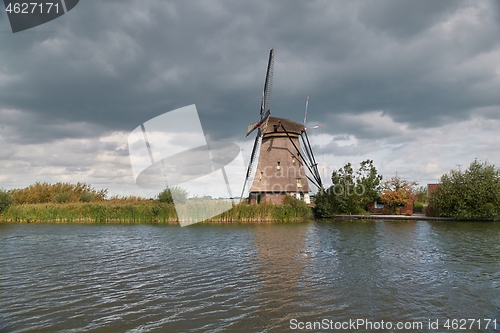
[{"x": 413, "y": 85}]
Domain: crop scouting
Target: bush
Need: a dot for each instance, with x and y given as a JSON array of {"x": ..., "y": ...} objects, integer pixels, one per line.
[
  {"x": 351, "y": 191},
  {"x": 324, "y": 204},
  {"x": 46, "y": 193},
  {"x": 62, "y": 197},
  {"x": 5, "y": 200},
  {"x": 299, "y": 207},
  {"x": 86, "y": 197},
  {"x": 471, "y": 194},
  {"x": 328, "y": 205},
  {"x": 169, "y": 194},
  {"x": 362, "y": 211}
]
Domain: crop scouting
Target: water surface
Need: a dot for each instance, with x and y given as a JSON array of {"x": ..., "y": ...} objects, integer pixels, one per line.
[{"x": 246, "y": 278}]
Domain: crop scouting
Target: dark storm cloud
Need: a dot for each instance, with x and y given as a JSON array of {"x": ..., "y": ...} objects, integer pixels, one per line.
[
  {"x": 404, "y": 19},
  {"x": 113, "y": 65},
  {"x": 29, "y": 127}
]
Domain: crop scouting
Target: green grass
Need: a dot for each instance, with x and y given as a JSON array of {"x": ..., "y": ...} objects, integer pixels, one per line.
[
  {"x": 265, "y": 212},
  {"x": 149, "y": 212},
  {"x": 418, "y": 205}
]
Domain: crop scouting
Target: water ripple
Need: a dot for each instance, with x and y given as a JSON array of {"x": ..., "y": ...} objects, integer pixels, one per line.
[{"x": 243, "y": 278}]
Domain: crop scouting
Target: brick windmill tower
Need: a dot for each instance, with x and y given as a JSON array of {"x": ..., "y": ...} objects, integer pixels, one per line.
[{"x": 284, "y": 155}]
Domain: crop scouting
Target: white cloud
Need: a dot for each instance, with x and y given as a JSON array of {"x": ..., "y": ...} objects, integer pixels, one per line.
[{"x": 418, "y": 154}]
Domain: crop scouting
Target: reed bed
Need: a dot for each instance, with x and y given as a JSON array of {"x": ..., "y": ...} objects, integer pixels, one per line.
[
  {"x": 264, "y": 212},
  {"x": 98, "y": 212},
  {"x": 148, "y": 212}
]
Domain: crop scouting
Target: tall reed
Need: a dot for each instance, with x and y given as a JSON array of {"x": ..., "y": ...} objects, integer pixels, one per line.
[
  {"x": 95, "y": 212},
  {"x": 150, "y": 211}
]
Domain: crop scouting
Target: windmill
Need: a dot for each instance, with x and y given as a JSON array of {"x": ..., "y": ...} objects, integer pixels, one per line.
[{"x": 282, "y": 163}]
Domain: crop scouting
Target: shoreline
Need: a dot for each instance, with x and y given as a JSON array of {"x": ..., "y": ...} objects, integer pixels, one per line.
[
  {"x": 155, "y": 221},
  {"x": 162, "y": 213},
  {"x": 248, "y": 220},
  {"x": 418, "y": 217}
]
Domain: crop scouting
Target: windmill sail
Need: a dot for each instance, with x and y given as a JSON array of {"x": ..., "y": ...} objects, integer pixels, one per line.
[
  {"x": 256, "y": 146},
  {"x": 264, "y": 116},
  {"x": 262, "y": 124},
  {"x": 313, "y": 127},
  {"x": 305, "y": 112},
  {"x": 305, "y": 118},
  {"x": 252, "y": 128},
  {"x": 268, "y": 85}
]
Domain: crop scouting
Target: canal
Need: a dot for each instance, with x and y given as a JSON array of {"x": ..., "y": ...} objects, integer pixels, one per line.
[{"x": 250, "y": 277}]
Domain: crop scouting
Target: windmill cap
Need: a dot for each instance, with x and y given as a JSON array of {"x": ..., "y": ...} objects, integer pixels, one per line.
[{"x": 276, "y": 125}]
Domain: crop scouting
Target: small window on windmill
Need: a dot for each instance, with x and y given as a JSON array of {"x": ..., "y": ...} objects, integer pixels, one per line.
[
  {"x": 278, "y": 167},
  {"x": 260, "y": 177},
  {"x": 275, "y": 128},
  {"x": 299, "y": 182}
]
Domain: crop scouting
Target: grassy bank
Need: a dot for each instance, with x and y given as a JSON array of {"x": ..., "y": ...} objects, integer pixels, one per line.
[
  {"x": 265, "y": 212},
  {"x": 145, "y": 212}
]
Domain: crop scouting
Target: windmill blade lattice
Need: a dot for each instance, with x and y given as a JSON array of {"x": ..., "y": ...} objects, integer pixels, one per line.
[
  {"x": 268, "y": 85},
  {"x": 305, "y": 118},
  {"x": 265, "y": 112}
]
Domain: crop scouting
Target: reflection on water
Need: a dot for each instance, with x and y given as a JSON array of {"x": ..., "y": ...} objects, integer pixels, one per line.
[
  {"x": 279, "y": 263},
  {"x": 244, "y": 278}
]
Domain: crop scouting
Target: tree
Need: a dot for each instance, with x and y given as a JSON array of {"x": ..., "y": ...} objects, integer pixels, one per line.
[
  {"x": 5, "y": 199},
  {"x": 171, "y": 194},
  {"x": 323, "y": 204},
  {"x": 368, "y": 183},
  {"x": 397, "y": 192},
  {"x": 350, "y": 192},
  {"x": 344, "y": 197},
  {"x": 471, "y": 194}
]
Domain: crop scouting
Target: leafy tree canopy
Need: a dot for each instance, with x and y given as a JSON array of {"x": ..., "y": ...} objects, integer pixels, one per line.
[
  {"x": 397, "y": 192},
  {"x": 470, "y": 194},
  {"x": 170, "y": 194},
  {"x": 351, "y": 191},
  {"x": 5, "y": 199}
]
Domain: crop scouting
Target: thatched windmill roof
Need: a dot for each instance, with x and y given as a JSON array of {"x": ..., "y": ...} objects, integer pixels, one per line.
[{"x": 273, "y": 126}]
